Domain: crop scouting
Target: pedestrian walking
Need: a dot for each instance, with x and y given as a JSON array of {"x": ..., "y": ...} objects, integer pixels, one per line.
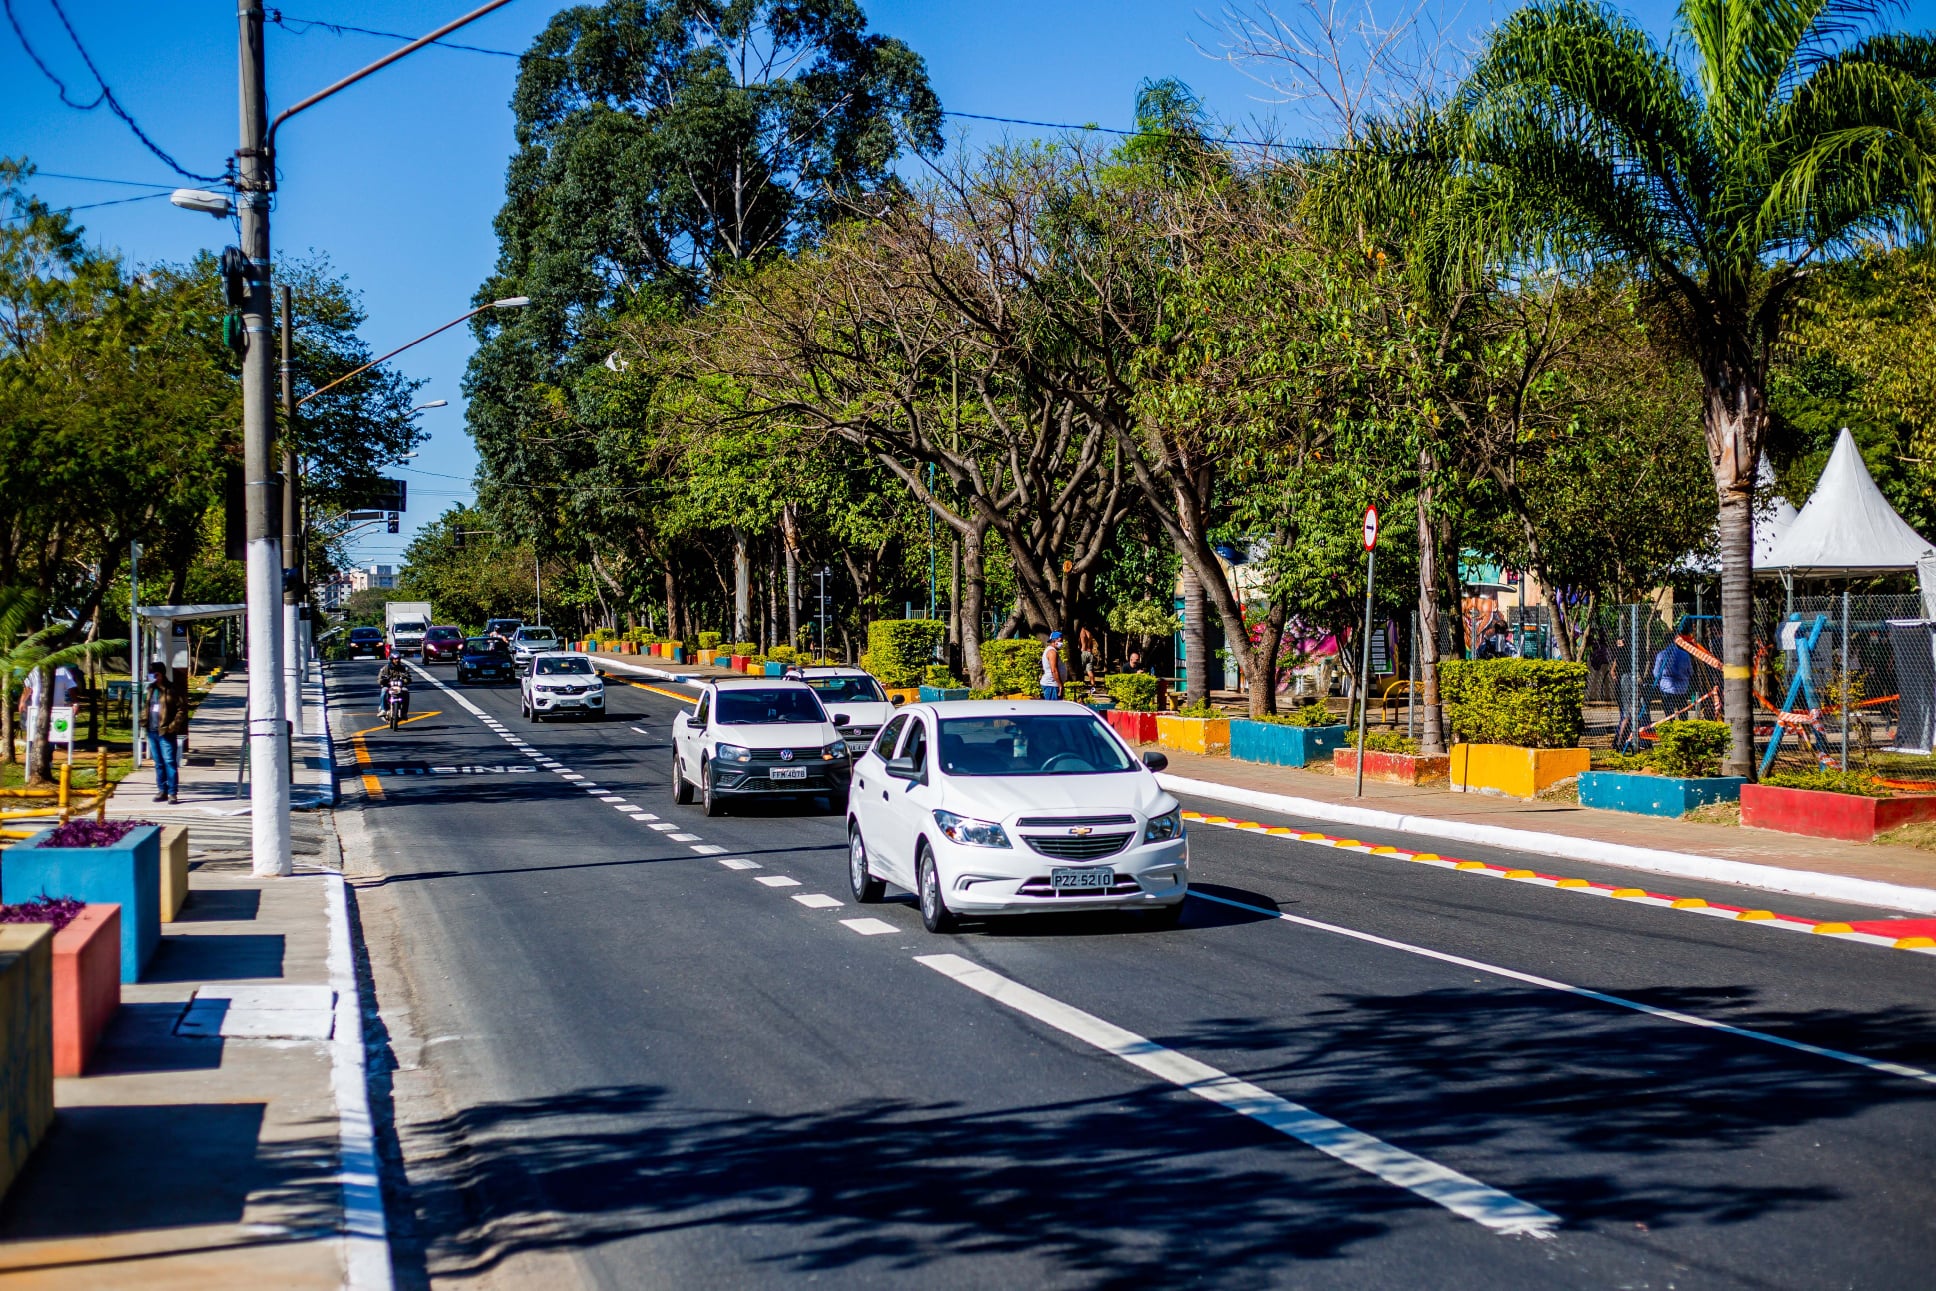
[
  {"x": 1672, "y": 673},
  {"x": 1089, "y": 653},
  {"x": 164, "y": 724},
  {"x": 1052, "y": 667}
]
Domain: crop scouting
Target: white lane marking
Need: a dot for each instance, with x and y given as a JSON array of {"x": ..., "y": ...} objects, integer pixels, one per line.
[
  {"x": 640, "y": 730},
  {"x": 737, "y": 863},
  {"x": 586, "y": 784},
  {"x": 1459, "y": 1193},
  {"x": 682, "y": 838},
  {"x": 646, "y": 815},
  {"x": 615, "y": 801},
  {"x": 816, "y": 901},
  {"x": 573, "y": 775},
  {"x": 629, "y": 809},
  {"x": 777, "y": 881},
  {"x": 869, "y": 927},
  {"x": 663, "y": 826},
  {"x": 1669, "y": 1015},
  {"x": 707, "y": 849}
]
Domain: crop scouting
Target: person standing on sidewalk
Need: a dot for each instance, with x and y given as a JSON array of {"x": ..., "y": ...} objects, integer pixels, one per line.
[
  {"x": 165, "y": 722},
  {"x": 1052, "y": 667}
]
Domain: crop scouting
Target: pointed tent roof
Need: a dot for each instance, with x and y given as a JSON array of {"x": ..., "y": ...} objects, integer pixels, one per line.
[{"x": 1847, "y": 528}]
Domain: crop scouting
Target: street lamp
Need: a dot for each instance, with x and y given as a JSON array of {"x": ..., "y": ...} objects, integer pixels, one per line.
[{"x": 434, "y": 403}]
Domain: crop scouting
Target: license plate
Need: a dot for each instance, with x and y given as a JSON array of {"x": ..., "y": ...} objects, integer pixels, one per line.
[
  {"x": 788, "y": 773},
  {"x": 1082, "y": 880}
]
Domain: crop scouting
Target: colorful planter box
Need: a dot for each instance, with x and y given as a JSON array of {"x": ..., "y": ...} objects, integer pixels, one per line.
[
  {"x": 1655, "y": 795},
  {"x": 740, "y": 662},
  {"x": 1391, "y": 768},
  {"x": 1513, "y": 771},
  {"x": 1206, "y": 735},
  {"x": 774, "y": 668},
  {"x": 27, "y": 1041},
  {"x": 942, "y": 694},
  {"x": 705, "y": 658},
  {"x": 127, "y": 874},
  {"x": 1284, "y": 746},
  {"x": 1137, "y": 728},
  {"x": 1820, "y": 814},
  {"x": 86, "y": 984},
  {"x": 174, "y": 870},
  {"x": 676, "y": 653}
]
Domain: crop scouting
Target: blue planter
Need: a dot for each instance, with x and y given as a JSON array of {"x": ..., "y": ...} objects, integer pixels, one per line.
[
  {"x": 128, "y": 874},
  {"x": 1655, "y": 795},
  {"x": 1284, "y": 746},
  {"x": 774, "y": 668},
  {"x": 942, "y": 694}
]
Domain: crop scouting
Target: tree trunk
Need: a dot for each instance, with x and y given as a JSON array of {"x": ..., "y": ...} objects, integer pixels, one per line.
[
  {"x": 1263, "y": 659},
  {"x": 39, "y": 718},
  {"x": 1734, "y": 415},
  {"x": 742, "y": 588},
  {"x": 1432, "y": 733},
  {"x": 970, "y": 611},
  {"x": 790, "y": 533},
  {"x": 1196, "y": 670},
  {"x": 673, "y": 605},
  {"x": 6, "y": 719}
]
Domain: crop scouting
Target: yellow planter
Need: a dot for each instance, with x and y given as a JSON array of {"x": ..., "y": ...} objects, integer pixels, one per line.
[
  {"x": 1513, "y": 771},
  {"x": 27, "y": 1040},
  {"x": 1206, "y": 735},
  {"x": 174, "y": 870},
  {"x": 705, "y": 657},
  {"x": 905, "y": 694}
]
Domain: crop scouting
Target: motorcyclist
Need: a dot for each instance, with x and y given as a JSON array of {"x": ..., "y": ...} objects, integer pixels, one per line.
[{"x": 394, "y": 670}]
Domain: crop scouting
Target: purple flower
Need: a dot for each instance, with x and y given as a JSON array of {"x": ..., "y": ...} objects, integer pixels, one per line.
[
  {"x": 59, "y": 911},
  {"x": 92, "y": 833}
]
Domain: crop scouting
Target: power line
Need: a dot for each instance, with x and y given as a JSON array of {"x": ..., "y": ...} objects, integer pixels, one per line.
[
  {"x": 88, "y": 206},
  {"x": 96, "y": 179},
  {"x": 301, "y": 27},
  {"x": 106, "y": 96}
]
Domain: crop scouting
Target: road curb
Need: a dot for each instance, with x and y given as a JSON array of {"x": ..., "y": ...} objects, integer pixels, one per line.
[
  {"x": 658, "y": 674},
  {"x": 1771, "y": 878},
  {"x": 366, "y": 1235}
]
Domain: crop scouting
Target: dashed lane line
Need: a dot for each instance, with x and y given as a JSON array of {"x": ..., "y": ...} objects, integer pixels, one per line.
[
  {"x": 737, "y": 863},
  {"x": 1459, "y": 1193},
  {"x": 869, "y": 927},
  {"x": 777, "y": 881},
  {"x": 707, "y": 849},
  {"x": 817, "y": 901},
  {"x": 682, "y": 838}
]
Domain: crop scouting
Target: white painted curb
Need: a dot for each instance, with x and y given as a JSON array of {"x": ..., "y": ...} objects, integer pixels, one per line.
[
  {"x": 658, "y": 674},
  {"x": 1687, "y": 865},
  {"x": 366, "y": 1238}
]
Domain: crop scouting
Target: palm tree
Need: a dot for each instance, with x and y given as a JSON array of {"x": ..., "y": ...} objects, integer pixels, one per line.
[
  {"x": 1769, "y": 135},
  {"x": 24, "y": 651}
]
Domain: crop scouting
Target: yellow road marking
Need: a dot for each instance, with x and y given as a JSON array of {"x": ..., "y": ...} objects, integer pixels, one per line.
[
  {"x": 659, "y": 690},
  {"x": 384, "y": 726}
]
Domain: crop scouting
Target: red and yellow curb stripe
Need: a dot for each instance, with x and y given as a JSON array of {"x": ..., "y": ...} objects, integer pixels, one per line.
[{"x": 1896, "y": 934}]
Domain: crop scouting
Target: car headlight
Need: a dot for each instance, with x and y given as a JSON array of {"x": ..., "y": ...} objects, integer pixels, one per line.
[
  {"x": 1163, "y": 828},
  {"x": 973, "y": 833},
  {"x": 834, "y": 752},
  {"x": 732, "y": 753}
]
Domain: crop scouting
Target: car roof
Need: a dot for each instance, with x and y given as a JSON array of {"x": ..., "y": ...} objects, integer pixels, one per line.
[
  {"x": 538, "y": 627},
  {"x": 561, "y": 654},
  {"x": 836, "y": 670},
  {"x": 1003, "y": 708},
  {"x": 749, "y": 683}
]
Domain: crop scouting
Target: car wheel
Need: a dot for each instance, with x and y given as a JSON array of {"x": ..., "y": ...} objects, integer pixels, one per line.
[
  {"x": 935, "y": 915},
  {"x": 1164, "y": 916},
  {"x": 708, "y": 800},
  {"x": 681, "y": 791},
  {"x": 867, "y": 888}
]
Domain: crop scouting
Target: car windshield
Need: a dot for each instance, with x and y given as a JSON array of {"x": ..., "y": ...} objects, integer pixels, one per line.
[
  {"x": 536, "y": 634},
  {"x": 782, "y": 704},
  {"x": 847, "y": 690},
  {"x": 484, "y": 645},
  {"x": 1029, "y": 744},
  {"x": 574, "y": 666},
  {"x": 443, "y": 634}
]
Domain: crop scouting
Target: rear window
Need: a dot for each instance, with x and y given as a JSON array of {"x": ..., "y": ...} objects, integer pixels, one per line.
[
  {"x": 443, "y": 634},
  {"x": 485, "y": 645},
  {"x": 365, "y": 634},
  {"x": 536, "y": 634}
]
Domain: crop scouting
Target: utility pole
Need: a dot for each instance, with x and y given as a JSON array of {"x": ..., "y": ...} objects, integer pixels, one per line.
[
  {"x": 292, "y": 589},
  {"x": 268, "y": 753},
  {"x": 822, "y": 576}
]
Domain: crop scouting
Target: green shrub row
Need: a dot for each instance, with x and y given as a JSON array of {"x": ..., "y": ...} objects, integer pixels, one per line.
[
  {"x": 1014, "y": 666},
  {"x": 1690, "y": 748},
  {"x": 900, "y": 650},
  {"x": 938, "y": 675},
  {"x": 1533, "y": 703},
  {"x": 1134, "y": 692},
  {"x": 709, "y": 640},
  {"x": 1313, "y": 714}
]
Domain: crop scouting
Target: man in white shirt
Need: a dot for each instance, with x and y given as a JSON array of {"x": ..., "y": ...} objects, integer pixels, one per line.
[{"x": 1052, "y": 667}]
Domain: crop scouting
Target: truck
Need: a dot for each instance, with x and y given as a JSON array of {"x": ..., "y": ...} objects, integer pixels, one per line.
[{"x": 404, "y": 625}]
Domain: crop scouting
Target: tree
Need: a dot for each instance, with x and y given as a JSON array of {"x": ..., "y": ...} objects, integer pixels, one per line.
[{"x": 1721, "y": 180}]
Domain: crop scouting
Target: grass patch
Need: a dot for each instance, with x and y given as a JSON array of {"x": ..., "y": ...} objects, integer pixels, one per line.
[
  {"x": 120, "y": 766},
  {"x": 1716, "y": 813},
  {"x": 1921, "y": 834}
]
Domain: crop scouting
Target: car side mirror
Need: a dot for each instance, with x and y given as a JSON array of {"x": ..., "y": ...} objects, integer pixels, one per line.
[
  {"x": 904, "y": 769},
  {"x": 841, "y": 719},
  {"x": 1156, "y": 761},
  {"x": 683, "y": 720},
  {"x": 897, "y": 700}
]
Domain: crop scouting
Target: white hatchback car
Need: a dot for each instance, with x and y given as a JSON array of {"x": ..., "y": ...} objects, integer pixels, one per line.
[
  {"x": 560, "y": 683},
  {"x": 758, "y": 737},
  {"x": 1001, "y": 807}
]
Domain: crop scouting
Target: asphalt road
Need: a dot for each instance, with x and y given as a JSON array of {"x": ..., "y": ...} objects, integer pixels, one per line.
[{"x": 672, "y": 1072}]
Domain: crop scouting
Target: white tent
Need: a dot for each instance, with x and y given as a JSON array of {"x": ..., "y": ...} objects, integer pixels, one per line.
[
  {"x": 1774, "y": 515},
  {"x": 1847, "y": 529}
]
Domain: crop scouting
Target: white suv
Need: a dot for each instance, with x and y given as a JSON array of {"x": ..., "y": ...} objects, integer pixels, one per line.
[
  {"x": 561, "y": 683},
  {"x": 758, "y": 738},
  {"x": 854, "y": 694},
  {"x": 1001, "y": 807}
]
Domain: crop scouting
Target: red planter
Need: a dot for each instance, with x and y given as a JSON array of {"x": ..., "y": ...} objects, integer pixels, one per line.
[
  {"x": 87, "y": 984},
  {"x": 1137, "y": 728},
  {"x": 1820, "y": 814},
  {"x": 1394, "y": 768},
  {"x": 740, "y": 661}
]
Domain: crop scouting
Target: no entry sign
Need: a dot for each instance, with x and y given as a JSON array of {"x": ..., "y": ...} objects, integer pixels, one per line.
[{"x": 1371, "y": 527}]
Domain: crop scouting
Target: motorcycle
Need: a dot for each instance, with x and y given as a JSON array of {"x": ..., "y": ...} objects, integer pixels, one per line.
[{"x": 396, "y": 698}]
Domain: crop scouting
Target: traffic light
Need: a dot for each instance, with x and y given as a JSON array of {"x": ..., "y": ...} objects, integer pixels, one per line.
[{"x": 393, "y": 522}]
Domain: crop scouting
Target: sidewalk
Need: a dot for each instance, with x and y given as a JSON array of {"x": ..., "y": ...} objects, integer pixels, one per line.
[
  {"x": 217, "y": 1138},
  {"x": 1475, "y": 816}
]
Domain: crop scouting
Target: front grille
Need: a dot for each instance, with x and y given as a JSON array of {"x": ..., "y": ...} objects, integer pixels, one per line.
[
  {"x": 1077, "y": 847},
  {"x": 565, "y": 690},
  {"x": 801, "y": 757},
  {"x": 759, "y": 783},
  {"x": 1039, "y": 887},
  {"x": 1053, "y": 822}
]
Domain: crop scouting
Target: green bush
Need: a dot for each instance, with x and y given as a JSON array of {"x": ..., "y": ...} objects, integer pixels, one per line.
[
  {"x": 1202, "y": 708},
  {"x": 1014, "y": 666},
  {"x": 1855, "y": 782},
  {"x": 709, "y": 640},
  {"x": 785, "y": 654},
  {"x": 739, "y": 647},
  {"x": 1611, "y": 760},
  {"x": 1691, "y": 748},
  {"x": 1533, "y": 703},
  {"x": 899, "y": 650},
  {"x": 938, "y": 676},
  {"x": 1388, "y": 742},
  {"x": 1134, "y": 692},
  {"x": 604, "y": 636},
  {"x": 1309, "y": 715}
]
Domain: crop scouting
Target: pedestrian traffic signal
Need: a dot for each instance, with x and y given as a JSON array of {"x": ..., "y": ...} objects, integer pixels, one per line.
[{"x": 393, "y": 522}]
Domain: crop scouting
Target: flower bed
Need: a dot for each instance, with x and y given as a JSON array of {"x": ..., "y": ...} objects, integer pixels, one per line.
[
  {"x": 27, "y": 1040},
  {"x": 1204, "y": 735},
  {"x": 87, "y": 984},
  {"x": 1392, "y": 768},
  {"x": 1820, "y": 813},
  {"x": 1283, "y": 744},
  {"x": 1655, "y": 795},
  {"x": 942, "y": 694},
  {"x": 1513, "y": 771},
  {"x": 123, "y": 869}
]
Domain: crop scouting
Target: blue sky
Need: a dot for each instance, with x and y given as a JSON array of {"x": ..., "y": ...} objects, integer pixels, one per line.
[{"x": 398, "y": 178}]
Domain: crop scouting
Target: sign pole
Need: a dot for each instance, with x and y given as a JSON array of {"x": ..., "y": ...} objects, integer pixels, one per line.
[{"x": 1364, "y": 668}]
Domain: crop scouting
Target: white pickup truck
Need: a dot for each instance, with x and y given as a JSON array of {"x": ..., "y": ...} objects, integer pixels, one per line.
[{"x": 404, "y": 625}]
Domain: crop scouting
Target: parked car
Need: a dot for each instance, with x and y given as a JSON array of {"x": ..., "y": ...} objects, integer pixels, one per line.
[
  {"x": 527, "y": 641},
  {"x": 852, "y": 693},
  {"x": 758, "y": 737},
  {"x": 484, "y": 659},
  {"x": 998, "y": 807},
  {"x": 367, "y": 643},
  {"x": 442, "y": 644},
  {"x": 561, "y": 683}
]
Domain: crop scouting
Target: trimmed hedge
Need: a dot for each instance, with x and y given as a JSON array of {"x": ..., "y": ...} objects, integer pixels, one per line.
[
  {"x": 1532, "y": 703},
  {"x": 1134, "y": 692},
  {"x": 1014, "y": 666},
  {"x": 938, "y": 676},
  {"x": 900, "y": 650},
  {"x": 1309, "y": 715},
  {"x": 1691, "y": 748},
  {"x": 709, "y": 640},
  {"x": 782, "y": 653}
]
